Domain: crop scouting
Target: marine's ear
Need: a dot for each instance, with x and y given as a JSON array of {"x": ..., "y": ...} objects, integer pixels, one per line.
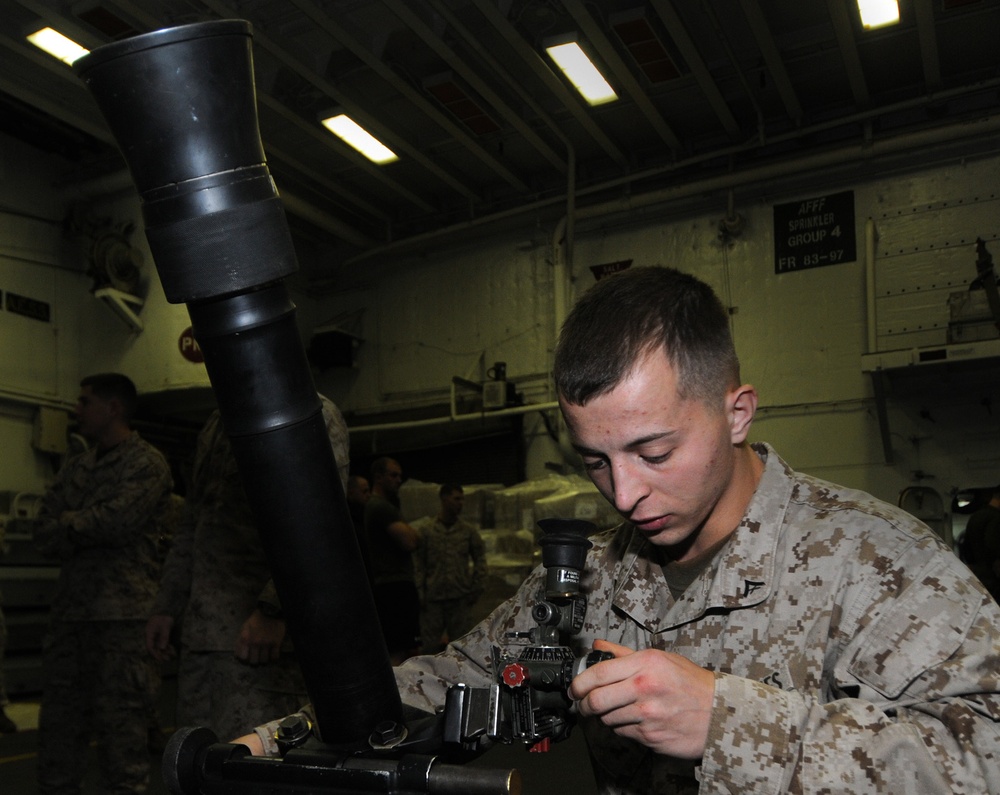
[{"x": 741, "y": 406}]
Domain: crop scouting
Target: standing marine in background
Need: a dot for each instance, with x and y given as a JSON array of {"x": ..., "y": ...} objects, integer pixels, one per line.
[
  {"x": 391, "y": 542},
  {"x": 450, "y": 567},
  {"x": 100, "y": 519},
  {"x": 236, "y": 664},
  {"x": 980, "y": 547}
]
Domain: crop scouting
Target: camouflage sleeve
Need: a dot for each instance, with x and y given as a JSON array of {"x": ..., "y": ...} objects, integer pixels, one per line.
[
  {"x": 175, "y": 581},
  {"x": 112, "y": 522},
  {"x": 336, "y": 429},
  {"x": 49, "y": 535},
  {"x": 914, "y": 707},
  {"x": 424, "y": 681}
]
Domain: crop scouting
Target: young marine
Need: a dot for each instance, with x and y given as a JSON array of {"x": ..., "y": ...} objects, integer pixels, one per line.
[{"x": 771, "y": 632}]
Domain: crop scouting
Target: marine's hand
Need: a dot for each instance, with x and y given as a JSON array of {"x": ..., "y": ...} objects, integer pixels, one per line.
[
  {"x": 659, "y": 699},
  {"x": 260, "y": 639},
  {"x": 251, "y": 741},
  {"x": 158, "y": 644}
]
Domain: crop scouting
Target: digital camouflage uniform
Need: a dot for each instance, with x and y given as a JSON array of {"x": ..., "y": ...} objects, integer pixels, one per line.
[
  {"x": 449, "y": 568},
  {"x": 214, "y": 576},
  {"x": 100, "y": 519},
  {"x": 853, "y": 652}
]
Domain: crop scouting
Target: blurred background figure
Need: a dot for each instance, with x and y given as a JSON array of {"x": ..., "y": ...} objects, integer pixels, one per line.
[
  {"x": 358, "y": 493},
  {"x": 100, "y": 519},
  {"x": 391, "y": 542},
  {"x": 236, "y": 666},
  {"x": 450, "y": 568},
  {"x": 980, "y": 547}
]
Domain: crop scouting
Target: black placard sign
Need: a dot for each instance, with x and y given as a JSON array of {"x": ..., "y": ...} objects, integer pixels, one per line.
[
  {"x": 812, "y": 233},
  {"x": 610, "y": 268},
  {"x": 29, "y": 307}
]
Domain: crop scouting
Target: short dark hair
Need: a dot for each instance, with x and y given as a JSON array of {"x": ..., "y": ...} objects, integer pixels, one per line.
[
  {"x": 628, "y": 315},
  {"x": 114, "y": 386},
  {"x": 447, "y": 489}
]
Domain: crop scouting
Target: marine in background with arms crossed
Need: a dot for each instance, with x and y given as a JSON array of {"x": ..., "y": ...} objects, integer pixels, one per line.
[
  {"x": 100, "y": 518},
  {"x": 771, "y": 632}
]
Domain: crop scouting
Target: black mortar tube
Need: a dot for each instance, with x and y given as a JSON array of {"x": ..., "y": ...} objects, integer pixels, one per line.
[{"x": 180, "y": 102}]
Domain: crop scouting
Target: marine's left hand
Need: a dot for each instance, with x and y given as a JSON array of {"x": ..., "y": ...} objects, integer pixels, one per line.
[
  {"x": 658, "y": 699},
  {"x": 260, "y": 639}
]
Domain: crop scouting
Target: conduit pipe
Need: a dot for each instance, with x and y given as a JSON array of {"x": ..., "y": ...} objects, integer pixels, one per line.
[{"x": 454, "y": 417}]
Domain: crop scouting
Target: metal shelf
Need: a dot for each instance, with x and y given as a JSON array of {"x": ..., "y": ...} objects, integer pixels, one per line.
[{"x": 928, "y": 370}]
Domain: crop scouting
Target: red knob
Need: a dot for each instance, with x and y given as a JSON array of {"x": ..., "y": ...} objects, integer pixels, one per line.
[{"x": 515, "y": 675}]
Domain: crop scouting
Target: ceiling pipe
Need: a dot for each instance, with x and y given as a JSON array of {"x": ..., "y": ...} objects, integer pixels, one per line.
[
  {"x": 854, "y": 153},
  {"x": 298, "y": 206},
  {"x": 454, "y": 417}
]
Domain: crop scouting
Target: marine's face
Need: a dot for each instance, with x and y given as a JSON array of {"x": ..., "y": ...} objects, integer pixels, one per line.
[
  {"x": 665, "y": 463},
  {"x": 453, "y": 503},
  {"x": 94, "y": 414},
  {"x": 358, "y": 490},
  {"x": 392, "y": 478}
]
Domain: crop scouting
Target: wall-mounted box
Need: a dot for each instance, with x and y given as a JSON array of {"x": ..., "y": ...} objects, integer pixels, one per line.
[{"x": 49, "y": 433}]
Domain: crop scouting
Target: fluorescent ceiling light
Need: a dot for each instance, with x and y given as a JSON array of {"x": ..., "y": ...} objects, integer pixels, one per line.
[
  {"x": 878, "y": 13},
  {"x": 57, "y": 45},
  {"x": 582, "y": 73},
  {"x": 354, "y": 135}
]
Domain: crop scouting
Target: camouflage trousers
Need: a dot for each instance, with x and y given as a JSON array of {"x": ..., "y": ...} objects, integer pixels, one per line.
[
  {"x": 100, "y": 683},
  {"x": 440, "y": 616},
  {"x": 230, "y": 697}
]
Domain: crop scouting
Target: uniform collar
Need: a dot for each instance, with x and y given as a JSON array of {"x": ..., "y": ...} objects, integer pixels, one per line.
[
  {"x": 96, "y": 456},
  {"x": 741, "y": 574}
]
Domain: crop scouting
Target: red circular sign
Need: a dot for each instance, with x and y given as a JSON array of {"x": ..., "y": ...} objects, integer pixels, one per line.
[{"x": 189, "y": 347}]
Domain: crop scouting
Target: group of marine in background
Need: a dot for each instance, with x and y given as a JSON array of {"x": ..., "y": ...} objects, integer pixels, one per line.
[{"x": 147, "y": 576}]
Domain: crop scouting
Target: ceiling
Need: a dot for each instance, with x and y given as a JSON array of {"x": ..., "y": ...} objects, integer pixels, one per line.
[{"x": 485, "y": 130}]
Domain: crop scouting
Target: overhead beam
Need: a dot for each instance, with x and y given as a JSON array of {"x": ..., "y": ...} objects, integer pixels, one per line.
[
  {"x": 596, "y": 37},
  {"x": 924, "y": 11},
  {"x": 404, "y": 11},
  {"x": 340, "y": 34},
  {"x": 516, "y": 41},
  {"x": 847, "y": 46},
  {"x": 772, "y": 58},
  {"x": 699, "y": 69}
]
